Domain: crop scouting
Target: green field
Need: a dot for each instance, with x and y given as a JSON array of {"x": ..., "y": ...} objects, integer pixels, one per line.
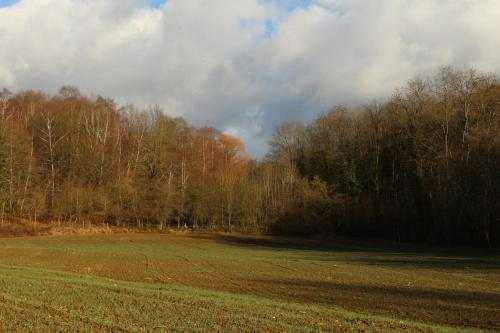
[{"x": 214, "y": 283}]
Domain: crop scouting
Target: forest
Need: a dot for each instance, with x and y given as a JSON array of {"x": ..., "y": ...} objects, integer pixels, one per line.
[{"x": 419, "y": 166}]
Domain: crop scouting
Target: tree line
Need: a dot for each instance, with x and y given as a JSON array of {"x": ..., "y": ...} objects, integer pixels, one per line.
[{"x": 422, "y": 165}]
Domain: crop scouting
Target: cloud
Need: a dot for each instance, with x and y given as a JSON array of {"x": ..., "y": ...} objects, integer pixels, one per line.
[{"x": 243, "y": 66}]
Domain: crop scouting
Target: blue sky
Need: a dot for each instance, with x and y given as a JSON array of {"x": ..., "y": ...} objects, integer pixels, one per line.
[
  {"x": 7, "y": 3},
  {"x": 288, "y": 5},
  {"x": 157, "y": 3},
  {"x": 292, "y": 4}
]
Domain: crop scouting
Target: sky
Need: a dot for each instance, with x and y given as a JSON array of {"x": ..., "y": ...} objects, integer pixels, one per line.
[{"x": 243, "y": 66}]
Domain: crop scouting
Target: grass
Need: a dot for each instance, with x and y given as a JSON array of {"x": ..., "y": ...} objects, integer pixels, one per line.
[{"x": 220, "y": 283}]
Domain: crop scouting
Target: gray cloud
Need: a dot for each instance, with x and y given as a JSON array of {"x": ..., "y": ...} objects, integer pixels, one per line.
[{"x": 216, "y": 63}]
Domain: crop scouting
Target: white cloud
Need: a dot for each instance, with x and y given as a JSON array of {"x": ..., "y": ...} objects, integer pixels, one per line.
[{"x": 215, "y": 63}]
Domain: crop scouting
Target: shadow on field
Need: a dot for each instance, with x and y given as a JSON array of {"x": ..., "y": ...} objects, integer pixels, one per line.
[
  {"x": 373, "y": 253},
  {"x": 481, "y": 310},
  {"x": 419, "y": 261},
  {"x": 286, "y": 243}
]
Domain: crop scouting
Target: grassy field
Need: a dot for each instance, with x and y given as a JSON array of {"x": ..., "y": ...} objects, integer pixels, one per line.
[{"x": 199, "y": 283}]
